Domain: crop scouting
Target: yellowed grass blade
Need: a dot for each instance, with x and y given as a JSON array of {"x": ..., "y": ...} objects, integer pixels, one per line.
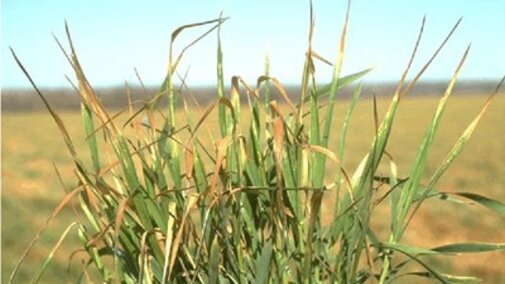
[
  {"x": 221, "y": 153},
  {"x": 175, "y": 246}
]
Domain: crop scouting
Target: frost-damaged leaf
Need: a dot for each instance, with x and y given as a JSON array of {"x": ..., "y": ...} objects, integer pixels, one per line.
[
  {"x": 217, "y": 22},
  {"x": 119, "y": 217},
  {"x": 277, "y": 84},
  {"x": 86, "y": 92},
  {"x": 221, "y": 152},
  {"x": 188, "y": 161},
  {"x": 320, "y": 57},
  {"x": 221, "y": 101},
  {"x": 177, "y": 241},
  {"x": 55, "y": 116},
  {"x": 169, "y": 238},
  {"x": 144, "y": 253},
  {"x": 181, "y": 28},
  {"x": 469, "y": 248},
  {"x": 278, "y": 127},
  {"x": 325, "y": 151},
  {"x": 315, "y": 206}
]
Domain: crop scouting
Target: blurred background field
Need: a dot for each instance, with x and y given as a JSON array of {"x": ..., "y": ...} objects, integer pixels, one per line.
[{"x": 31, "y": 145}]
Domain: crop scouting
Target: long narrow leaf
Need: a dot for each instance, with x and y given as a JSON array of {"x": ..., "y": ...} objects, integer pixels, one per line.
[{"x": 469, "y": 248}]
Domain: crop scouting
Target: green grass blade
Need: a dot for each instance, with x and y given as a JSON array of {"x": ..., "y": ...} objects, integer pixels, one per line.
[
  {"x": 347, "y": 120},
  {"x": 326, "y": 129},
  {"x": 50, "y": 256},
  {"x": 469, "y": 248},
  {"x": 87, "y": 117},
  {"x": 220, "y": 85},
  {"x": 457, "y": 148},
  {"x": 342, "y": 146},
  {"x": 409, "y": 249},
  {"x": 411, "y": 187},
  {"x": 262, "y": 264},
  {"x": 267, "y": 84},
  {"x": 342, "y": 82},
  {"x": 448, "y": 277},
  {"x": 411, "y": 252},
  {"x": 492, "y": 204}
]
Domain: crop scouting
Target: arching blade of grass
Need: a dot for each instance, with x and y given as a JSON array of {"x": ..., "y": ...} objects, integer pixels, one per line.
[
  {"x": 49, "y": 258},
  {"x": 55, "y": 212},
  {"x": 54, "y": 115},
  {"x": 413, "y": 253},
  {"x": 491, "y": 204},
  {"x": 488, "y": 202}
]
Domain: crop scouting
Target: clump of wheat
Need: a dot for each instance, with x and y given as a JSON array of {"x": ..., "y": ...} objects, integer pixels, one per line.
[{"x": 165, "y": 204}]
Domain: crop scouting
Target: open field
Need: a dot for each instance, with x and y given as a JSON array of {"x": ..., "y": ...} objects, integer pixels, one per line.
[{"x": 31, "y": 188}]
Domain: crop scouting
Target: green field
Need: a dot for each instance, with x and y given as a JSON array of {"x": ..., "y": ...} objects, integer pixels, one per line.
[{"x": 31, "y": 144}]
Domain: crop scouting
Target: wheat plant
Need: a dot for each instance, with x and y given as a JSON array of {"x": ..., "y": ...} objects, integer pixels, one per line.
[{"x": 165, "y": 202}]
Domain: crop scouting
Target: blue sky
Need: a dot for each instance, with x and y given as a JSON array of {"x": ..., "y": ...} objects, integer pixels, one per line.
[{"x": 112, "y": 37}]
